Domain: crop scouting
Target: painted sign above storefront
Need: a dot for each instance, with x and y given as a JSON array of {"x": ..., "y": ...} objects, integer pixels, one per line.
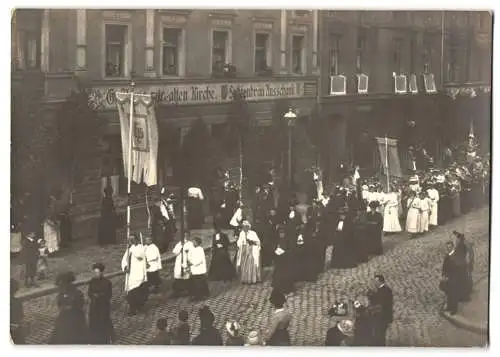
[{"x": 104, "y": 98}]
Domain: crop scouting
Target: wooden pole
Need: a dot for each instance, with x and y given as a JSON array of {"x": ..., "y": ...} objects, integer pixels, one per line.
[
  {"x": 387, "y": 174},
  {"x": 129, "y": 169}
]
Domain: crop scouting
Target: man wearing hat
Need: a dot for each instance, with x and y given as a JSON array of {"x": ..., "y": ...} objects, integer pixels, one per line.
[
  {"x": 30, "y": 257},
  {"x": 99, "y": 317},
  {"x": 208, "y": 336},
  {"x": 277, "y": 334}
]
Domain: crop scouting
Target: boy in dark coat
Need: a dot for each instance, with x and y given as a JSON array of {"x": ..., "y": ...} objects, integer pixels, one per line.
[
  {"x": 208, "y": 336},
  {"x": 163, "y": 337},
  {"x": 181, "y": 332},
  {"x": 30, "y": 257}
]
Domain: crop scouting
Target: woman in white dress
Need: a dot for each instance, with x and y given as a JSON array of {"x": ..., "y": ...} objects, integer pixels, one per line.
[
  {"x": 433, "y": 194},
  {"x": 391, "y": 212},
  {"x": 425, "y": 209},
  {"x": 51, "y": 235},
  {"x": 248, "y": 256},
  {"x": 413, "y": 216}
]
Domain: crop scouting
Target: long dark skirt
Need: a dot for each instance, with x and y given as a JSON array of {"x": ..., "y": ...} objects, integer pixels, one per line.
[
  {"x": 100, "y": 325},
  {"x": 70, "y": 328},
  {"x": 343, "y": 253},
  {"x": 283, "y": 279},
  {"x": 300, "y": 258},
  {"x": 137, "y": 297},
  {"x": 181, "y": 286},
  {"x": 221, "y": 266},
  {"x": 279, "y": 338},
  {"x": 199, "y": 286},
  {"x": 195, "y": 213}
]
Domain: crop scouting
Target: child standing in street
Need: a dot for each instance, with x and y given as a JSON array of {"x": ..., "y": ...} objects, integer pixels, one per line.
[{"x": 42, "y": 265}]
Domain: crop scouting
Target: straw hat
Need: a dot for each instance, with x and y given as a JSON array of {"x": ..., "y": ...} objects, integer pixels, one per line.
[{"x": 346, "y": 327}]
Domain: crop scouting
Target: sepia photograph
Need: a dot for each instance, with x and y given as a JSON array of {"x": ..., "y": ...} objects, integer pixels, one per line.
[{"x": 250, "y": 177}]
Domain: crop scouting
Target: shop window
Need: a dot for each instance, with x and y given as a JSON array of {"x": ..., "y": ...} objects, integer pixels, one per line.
[
  {"x": 171, "y": 51},
  {"x": 116, "y": 50},
  {"x": 28, "y": 48},
  {"x": 262, "y": 52},
  {"x": 298, "y": 54}
]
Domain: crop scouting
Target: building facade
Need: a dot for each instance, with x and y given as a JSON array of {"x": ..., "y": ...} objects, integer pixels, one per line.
[
  {"x": 351, "y": 75},
  {"x": 384, "y": 71}
]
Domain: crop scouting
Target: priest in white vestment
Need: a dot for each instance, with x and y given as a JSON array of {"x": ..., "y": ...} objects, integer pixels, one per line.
[
  {"x": 153, "y": 264},
  {"x": 134, "y": 266},
  {"x": 182, "y": 273},
  {"x": 248, "y": 256}
]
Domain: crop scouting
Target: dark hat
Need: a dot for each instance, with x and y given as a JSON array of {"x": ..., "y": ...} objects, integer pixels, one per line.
[
  {"x": 99, "y": 266},
  {"x": 277, "y": 298},
  {"x": 373, "y": 204},
  {"x": 206, "y": 315},
  {"x": 458, "y": 234}
]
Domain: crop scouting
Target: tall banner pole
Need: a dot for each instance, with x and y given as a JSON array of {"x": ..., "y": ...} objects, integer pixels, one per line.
[
  {"x": 387, "y": 162},
  {"x": 129, "y": 169}
]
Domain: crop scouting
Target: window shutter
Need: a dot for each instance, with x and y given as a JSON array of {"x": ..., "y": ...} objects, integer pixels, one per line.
[
  {"x": 429, "y": 83},
  {"x": 400, "y": 84},
  {"x": 337, "y": 85},
  {"x": 413, "y": 84},
  {"x": 362, "y": 83}
]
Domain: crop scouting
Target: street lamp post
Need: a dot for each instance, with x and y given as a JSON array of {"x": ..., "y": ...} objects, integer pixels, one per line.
[{"x": 290, "y": 117}]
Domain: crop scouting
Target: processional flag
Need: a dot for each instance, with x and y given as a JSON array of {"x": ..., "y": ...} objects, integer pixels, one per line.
[
  {"x": 388, "y": 149},
  {"x": 144, "y": 136}
]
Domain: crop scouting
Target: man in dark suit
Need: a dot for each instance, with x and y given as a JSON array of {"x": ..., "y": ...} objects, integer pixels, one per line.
[{"x": 383, "y": 298}]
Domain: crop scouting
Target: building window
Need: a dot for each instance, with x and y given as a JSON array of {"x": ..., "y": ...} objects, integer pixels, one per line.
[
  {"x": 220, "y": 50},
  {"x": 171, "y": 51},
  {"x": 427, "y": 55},
  {"x": 262, "y": 52},
  {"x": 397, "y": 62},
  {"x": 453, "y": 64},
  {"x": 334, "y": 56},
  {"x": 360, "y": 50},
  {"x": 413, "y": 56},
  {"x": 28, "y": 56},
  {"x": 116, "y": 50},
  {"x": 298, "y": 60}
]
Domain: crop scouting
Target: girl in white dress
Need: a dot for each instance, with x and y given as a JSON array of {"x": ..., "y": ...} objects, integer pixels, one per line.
[
  {"x": 391, "y": 212},
  {"x": 413, "y": 216},
  {"x": 425, "y": 209},
  {"x": 434, "y": 200}
]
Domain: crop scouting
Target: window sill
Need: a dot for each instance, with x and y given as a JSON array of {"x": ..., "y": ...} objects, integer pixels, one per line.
[
  {"x": 171, "y": 76},
  {"x": 121, "y": 78}
]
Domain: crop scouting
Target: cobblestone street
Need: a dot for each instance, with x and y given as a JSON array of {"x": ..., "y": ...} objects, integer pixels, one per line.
[{"x": 412, "y": 269}]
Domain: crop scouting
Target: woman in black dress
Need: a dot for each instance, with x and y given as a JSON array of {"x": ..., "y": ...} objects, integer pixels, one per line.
[
  {"x": 283, "y": 279},
  {"x": 221, "y": 266},
  {"x": 100, "y": 293},
  {"x": 344, "y": 250},
  {"x": 107, "y": 222},
  {"x": 70, "y": 326},
  {"x": 16, "y": 314},
  {"x": 301, "y": 256}
]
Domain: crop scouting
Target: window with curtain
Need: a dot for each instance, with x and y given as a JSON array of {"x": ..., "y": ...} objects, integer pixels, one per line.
[
  {"x": 219, "y": 49},
  {"x": 170, "y": 51},
  {"x": 297, "y": 54},
  {"x": 261, "y": 51},
  {"x": 334, "y": 55},
  {"x": 116, "y": 37}
]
